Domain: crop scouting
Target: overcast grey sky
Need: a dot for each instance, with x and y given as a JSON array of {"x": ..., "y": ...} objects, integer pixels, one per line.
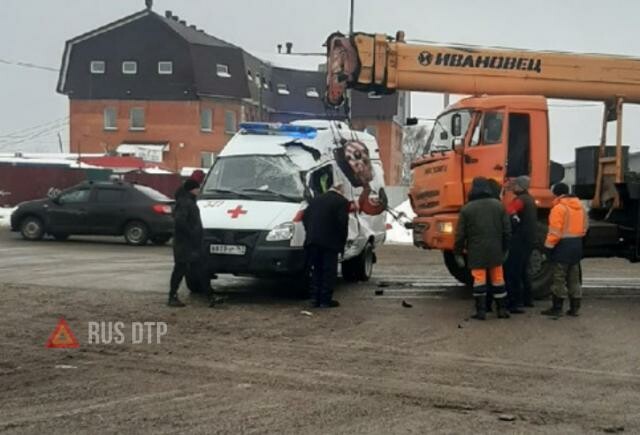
[{"x": 35, "y": 31}]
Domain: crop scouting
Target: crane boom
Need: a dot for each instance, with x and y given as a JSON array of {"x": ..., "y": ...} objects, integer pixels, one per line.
[{"x": 375, "y": 62}]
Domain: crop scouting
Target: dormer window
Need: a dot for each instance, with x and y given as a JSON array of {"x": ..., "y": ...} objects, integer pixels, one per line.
[
  {"x": 249, "y": 76},
  {"x": 222, "y": 70},
  {"x": 312, "y": 93},
  {"x": 165, "y": 67},
  {"x": 282, "y": 89},
  {"x": 129, "y": 67},
  {"x": 97, "y": 67},
  {"x": 257, "y": 80}
]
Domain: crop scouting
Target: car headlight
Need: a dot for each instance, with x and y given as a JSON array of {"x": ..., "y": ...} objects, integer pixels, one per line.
[
  {"x": 445, "y": 227},
  {"x": 282, "y": 232}
]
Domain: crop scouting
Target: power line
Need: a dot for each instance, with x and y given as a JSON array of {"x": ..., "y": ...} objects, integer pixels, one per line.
[
  {"x": 54, "y": 129},
  {"x": 29, "y": 65},
  {"x": 21, "y": 132}
]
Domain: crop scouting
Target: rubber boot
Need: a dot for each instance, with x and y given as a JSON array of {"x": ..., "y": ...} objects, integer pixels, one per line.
[
  {"x": 489, "y": 304},
  {"x": 501, "y": 304},
  {"x": 175, "y": 302},
  {"x": 481, "y": 308},
  {"x": 574, "y": 307},
  {"x": 556, "y": 307}
]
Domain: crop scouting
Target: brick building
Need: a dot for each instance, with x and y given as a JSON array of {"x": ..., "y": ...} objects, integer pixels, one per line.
[{"x": 152, "y": 86}]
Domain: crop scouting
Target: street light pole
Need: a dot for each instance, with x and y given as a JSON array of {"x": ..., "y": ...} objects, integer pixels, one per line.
[{"x": 349, "y": 105}]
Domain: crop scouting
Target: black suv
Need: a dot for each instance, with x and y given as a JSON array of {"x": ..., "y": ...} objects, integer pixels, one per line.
[{"x": 138, "y": 212}]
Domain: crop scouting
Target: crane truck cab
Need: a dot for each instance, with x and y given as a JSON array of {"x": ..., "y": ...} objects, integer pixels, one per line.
[
  {"x": 253, "y": 199},
  {"x": 499, "y": 138}
]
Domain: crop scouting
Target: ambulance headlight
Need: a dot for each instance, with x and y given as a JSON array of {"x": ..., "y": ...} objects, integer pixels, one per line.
[
  {"x": 445, "y": 227},
  {"x": 282, "y": 232}
]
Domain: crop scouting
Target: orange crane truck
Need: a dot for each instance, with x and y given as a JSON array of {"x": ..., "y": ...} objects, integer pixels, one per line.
[{"x": 501, "y": 132}]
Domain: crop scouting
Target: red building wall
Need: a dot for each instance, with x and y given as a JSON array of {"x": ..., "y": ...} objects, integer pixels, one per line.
[{"x": 172, "y": 122}]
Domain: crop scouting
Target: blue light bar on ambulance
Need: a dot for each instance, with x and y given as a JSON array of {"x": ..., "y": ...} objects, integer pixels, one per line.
[{"x": 277, "y": 129}]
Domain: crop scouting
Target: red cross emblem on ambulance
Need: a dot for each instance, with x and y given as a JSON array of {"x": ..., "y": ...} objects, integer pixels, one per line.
[{"x": 236, "y": 212}]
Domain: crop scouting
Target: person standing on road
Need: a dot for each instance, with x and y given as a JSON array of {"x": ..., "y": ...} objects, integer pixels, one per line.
[
  {"x": 568, "y": 223},
  {"x": 523, "y": 213},
  {"x": 326, "y": 225},
  {"x": 187, "y": 238},
  {"x": 484, "y": 231},
  {"x": 197, "y": 278}
]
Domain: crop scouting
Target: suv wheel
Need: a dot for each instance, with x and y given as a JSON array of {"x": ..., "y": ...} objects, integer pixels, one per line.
[
  {"x": 136, "y": 233},
  {"x": 32, "y": 228}
]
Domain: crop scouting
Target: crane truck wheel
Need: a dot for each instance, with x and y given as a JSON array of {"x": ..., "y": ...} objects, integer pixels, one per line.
[
  {"x": 539, "y": 269},
  {"x": 462, "y": 274}
]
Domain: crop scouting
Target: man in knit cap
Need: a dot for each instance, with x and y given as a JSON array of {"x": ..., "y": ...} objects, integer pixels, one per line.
[{"x": 523, "y": 213}]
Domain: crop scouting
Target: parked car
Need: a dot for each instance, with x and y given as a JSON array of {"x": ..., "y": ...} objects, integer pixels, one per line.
[{"x": 137, "y": 212}]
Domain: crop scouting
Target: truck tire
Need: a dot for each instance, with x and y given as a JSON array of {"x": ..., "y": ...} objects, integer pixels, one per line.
[
  {"x": 539, "y": 270},
  {"x": 360, "y": 268},
  {"x": 463, "y": 275}
]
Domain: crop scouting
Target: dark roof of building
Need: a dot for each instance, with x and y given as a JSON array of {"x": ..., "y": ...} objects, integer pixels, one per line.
[
  {"x": 281, "y": 90},
  {"x": 192, "y": 35}
]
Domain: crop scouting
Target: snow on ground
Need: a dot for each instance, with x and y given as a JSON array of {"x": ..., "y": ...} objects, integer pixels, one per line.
[
  {"x": 396, "y": 232},
  {"x": 5, "y": 216}
]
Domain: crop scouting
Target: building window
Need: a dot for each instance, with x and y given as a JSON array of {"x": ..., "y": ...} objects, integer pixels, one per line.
[
  {"x": 282, "y": 89},
  {"x": 110, "y": 116},
  {"x": 372, "y": 130},
  {"x": 206, "y": 119},
  {"x": 265, "y": 84},
  {"x": 136, "y": 118},
  {"x": 222, "y": 70},
  {"x": 206, "y": 159},
  {"x": 129, "y": 67},
  {"x": 312, "y": 93},
  {"x": 165, "y": 67},
  {"x": 97, "y": 66},
  {"x": 229, "y": 122}
]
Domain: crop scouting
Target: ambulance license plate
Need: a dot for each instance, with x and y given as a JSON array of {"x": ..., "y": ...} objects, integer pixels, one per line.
[{"x": 228, "y": 249}]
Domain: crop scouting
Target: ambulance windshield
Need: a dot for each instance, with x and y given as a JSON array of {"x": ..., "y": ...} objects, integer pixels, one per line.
[{"x": 259, "y": 177}]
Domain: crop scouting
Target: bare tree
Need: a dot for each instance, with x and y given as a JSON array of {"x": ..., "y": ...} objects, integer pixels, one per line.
[{"x": 414, "y": 138}]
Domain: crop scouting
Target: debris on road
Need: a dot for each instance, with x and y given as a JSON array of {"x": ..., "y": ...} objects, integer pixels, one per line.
[
  {"x": 306, "y": 313},
  {"x": 406, "y": 304},
  {"x": 507, "y": 417},
  {"x": 65, "y": 366},
  {"x": 379, "y": 292}
]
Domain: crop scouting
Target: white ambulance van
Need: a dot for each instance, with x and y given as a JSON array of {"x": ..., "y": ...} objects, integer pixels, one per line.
[{"x": 253, "y": 199}]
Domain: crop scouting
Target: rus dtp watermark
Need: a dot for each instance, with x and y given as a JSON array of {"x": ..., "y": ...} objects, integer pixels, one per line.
[{"x": 108, "y": 332}]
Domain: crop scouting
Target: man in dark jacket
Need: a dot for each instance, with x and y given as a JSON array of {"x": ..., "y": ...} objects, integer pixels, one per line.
[
  {"x": 197, "y": 278},
  {"x": 187, "y": 238},
  {"x": 484, "y": 231},
  {"x": 523, "y": 213},
  {"x": 326, "y": 225}
]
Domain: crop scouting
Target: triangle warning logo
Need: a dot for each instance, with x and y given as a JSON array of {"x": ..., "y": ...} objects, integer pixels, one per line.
[{"x": 62, "y": 337}]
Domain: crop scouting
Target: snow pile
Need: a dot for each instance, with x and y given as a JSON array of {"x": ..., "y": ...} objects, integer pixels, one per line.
[
  {"x": 5, "y": 216},
  {"x": 156, "y": 170},
  {"x": 396, "y": 232}
]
